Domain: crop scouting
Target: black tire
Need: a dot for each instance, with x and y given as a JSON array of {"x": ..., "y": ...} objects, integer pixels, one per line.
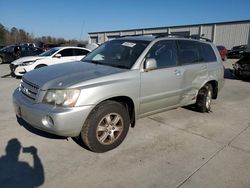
[
  {"x": 97, "y": 131},
  {"x": 204, "y": 98},
  {"x": 18, "y": 55},
  {"x": 40, "y": 66}
]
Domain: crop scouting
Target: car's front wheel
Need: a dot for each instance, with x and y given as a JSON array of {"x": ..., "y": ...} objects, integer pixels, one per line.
[
  {"x": 1, "y": 60},
  {"x": 106, "y": 126}
]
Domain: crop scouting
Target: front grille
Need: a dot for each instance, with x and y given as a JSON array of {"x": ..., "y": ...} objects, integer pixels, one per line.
[{"x": 29, "y": 89}]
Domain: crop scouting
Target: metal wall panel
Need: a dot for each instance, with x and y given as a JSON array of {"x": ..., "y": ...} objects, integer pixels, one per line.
[
  {"x": 230, "y": 35},
  {"x": 124, "y": 33},
  {"x": 155, "y": 31},
  {"x": 207, "y": 30},
  {"x": 93, "y": 40},
  {"x": 192, "y": 30}
]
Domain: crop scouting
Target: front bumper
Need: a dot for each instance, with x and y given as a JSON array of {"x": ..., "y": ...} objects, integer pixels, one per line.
[
  {"x": 17, "y": 70},
  {"x": 66, "y": 121}
]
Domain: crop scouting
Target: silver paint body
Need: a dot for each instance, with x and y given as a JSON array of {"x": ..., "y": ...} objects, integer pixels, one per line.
[{"x": 151, "y": 92}]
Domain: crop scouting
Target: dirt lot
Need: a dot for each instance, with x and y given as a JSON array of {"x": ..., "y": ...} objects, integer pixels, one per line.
[{"x": 178, "y": 148}]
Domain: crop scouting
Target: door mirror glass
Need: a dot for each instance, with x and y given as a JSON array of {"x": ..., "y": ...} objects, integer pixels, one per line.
[
  {"x": 150, "y": 64},
  {"x": 58, "y": 56}
]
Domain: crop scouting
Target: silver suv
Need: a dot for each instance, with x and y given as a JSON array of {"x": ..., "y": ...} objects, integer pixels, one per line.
[{"x": 99, "y": 98}]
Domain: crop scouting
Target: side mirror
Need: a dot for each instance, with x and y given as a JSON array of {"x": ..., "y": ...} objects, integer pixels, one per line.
[
  {"x": 58, "y": 56},
  {"x": 150, "y": 64}
]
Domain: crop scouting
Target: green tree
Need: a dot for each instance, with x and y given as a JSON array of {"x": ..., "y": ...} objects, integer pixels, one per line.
[
  {"x": 22, "y": 36},
  {"x": 2, "y": 34}
]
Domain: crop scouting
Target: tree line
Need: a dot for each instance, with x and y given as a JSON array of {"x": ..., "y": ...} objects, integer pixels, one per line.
[{"x": 17, "y": 36}]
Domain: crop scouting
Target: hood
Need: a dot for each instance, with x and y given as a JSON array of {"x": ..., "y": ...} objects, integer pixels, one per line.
[
  {"x": 25, "y": 59},
  {"x": 68, "y": 74}
]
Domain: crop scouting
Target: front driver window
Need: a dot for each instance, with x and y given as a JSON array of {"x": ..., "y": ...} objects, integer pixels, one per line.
[{"x": 164, "y": 52}]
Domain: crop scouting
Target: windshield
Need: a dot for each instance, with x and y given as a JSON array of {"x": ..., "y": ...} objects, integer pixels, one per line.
[
  {"x": 242, "y": 47},
  {"x": 49, "y": 52},
  {"x": 117, "y": 53},
  {"x": 7, "y": 49}
]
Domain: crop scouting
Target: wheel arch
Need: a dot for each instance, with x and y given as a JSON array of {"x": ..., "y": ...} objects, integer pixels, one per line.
[
  {"x": 40, "y": 65},
  {"x": 214, "y": 84},
  {"x": 127, "y": 102}
]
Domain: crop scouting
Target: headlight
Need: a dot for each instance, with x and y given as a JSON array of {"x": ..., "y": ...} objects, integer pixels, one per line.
[
  {"x": 67, "y": 97},
  {"x": 27, "y": 63}
]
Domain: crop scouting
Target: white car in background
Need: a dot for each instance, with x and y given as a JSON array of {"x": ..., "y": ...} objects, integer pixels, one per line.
[{"x": 51, "y": 57}]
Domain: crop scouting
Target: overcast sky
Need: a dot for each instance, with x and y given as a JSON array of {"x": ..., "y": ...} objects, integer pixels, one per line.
[{"x": 75, "y": 18}]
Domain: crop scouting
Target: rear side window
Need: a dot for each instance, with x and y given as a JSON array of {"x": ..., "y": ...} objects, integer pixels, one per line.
[
  {"x": 80, "y": 52},
  {"x": 164, "y": 52},
  {"x": 188, "y": 52},
  {"x": 66, "y": 52},
  {"x": 207, "y": 53}
]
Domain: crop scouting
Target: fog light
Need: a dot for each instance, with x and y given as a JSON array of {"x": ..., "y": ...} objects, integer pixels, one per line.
[{"x": 47, "y": 121}]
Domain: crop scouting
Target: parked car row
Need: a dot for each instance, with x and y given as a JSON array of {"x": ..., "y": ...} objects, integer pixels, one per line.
[
  {"x": 51, "y": 57},
  {"x": 13, "y": 52},
  {"x": 237, "y": 51}
]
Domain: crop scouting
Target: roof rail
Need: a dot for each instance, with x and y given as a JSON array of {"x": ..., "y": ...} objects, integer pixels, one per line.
[
  {"x": 197, "y": 37},
  {"x": 170, "y": 35},
  {"x": 194, "y": 36},
  {"x": 200, "y": 37}
]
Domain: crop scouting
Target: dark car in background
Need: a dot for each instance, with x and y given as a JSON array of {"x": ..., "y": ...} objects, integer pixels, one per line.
[
  {"x": 13, "y": 52},
  {"x": 223, "y": 52},
  {"x": 237, "y": 51},
  {"x": 242, "y": 66}
]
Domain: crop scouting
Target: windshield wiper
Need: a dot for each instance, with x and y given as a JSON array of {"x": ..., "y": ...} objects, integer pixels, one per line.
[
  {"x": 119, "y": 66},
  {"x": 94, "y": 62}
]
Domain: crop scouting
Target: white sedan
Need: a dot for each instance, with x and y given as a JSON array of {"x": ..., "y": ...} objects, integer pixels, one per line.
[{"x": 51, "y": 57}]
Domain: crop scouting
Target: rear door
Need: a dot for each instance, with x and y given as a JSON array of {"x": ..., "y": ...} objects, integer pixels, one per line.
[
  {"x": 195, "y": 70},
  {"x": 80, "y": 53},
  {"x": 215, "y": 69},
  {"x": 161, "y": 88}
]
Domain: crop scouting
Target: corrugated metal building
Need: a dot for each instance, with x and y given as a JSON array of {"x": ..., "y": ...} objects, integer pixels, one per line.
[{"x": 228, "y": 34}]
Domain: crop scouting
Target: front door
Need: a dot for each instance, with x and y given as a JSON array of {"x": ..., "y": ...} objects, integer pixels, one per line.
[
  {"x": 67, "y": 55},
  {"x": 161, "y": 88}
]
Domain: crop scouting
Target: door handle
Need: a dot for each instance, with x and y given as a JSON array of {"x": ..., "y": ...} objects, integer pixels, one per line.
[{"x": 177, "y": 72}]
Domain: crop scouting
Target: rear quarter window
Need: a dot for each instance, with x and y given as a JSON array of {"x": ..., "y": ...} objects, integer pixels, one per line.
[{"x": 207, "y": 53}]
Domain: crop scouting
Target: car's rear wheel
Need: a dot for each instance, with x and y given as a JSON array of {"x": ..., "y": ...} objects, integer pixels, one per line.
[
  {"x": 106, "y": 126},
  {"x": 204, "y": 98}
]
